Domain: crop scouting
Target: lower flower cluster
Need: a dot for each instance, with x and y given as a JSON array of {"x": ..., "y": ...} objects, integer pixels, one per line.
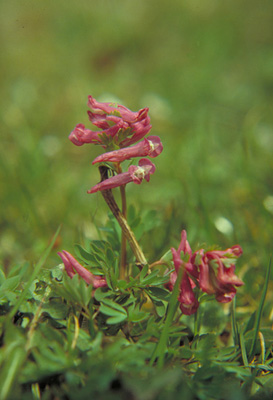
[{"x": 211, "y": 272}]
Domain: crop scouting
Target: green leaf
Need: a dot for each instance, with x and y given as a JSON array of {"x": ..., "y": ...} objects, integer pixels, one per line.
[
  {"x": 2, "y": 276},
  {"x": 150, "y": 279},
  {"x": 109, "y": 307},
  {"x": 110, "y": 311},
  {"x": 160, "y": 308},
  {"x": 55, "y": 309},
  {"x": 173, "y": 304},
  {"x": 12, "y": 357},
  {"x": 85, "y": 255},
  {"x": 110, "y": 258},
  {"x": 10, "y": 284},
  {"x": 136, "y": 316},
  {"x": 243, "y": 349},
  {"x": 267, "y": 335},
  {"x": 102, "y": 293},
  {"x": 116, "y": 319},
  {"x": 35, "y": 272},
  {"x": 158, "y": 293},
  {"x": 251, "y": 322},
  {"x": 98, "y": 245},
  {"x": 11, "y": 370},
  {"x": 143, "y": 272},
  {"x": 259, "y": 312}
]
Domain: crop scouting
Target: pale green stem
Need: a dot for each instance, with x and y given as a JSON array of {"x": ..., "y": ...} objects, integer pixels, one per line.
[
  {"x": 123, "y": 258},
  {"x": 109, "y": 198}
]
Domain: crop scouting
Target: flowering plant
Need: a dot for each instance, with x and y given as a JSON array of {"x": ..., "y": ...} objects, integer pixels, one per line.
[
  {"x": 211, "y": 272},
  {"x": 107, "y": 317}
]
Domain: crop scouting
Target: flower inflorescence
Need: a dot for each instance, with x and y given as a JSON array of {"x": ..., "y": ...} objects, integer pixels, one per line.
[
  {"x": 120, "y": 128},
  {"x": 210, "y": 271}
]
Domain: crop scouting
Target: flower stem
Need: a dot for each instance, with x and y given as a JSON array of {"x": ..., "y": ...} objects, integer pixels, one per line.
[
  {"x": 129, "y": 235},
  {"x": 123, "y": 259}
]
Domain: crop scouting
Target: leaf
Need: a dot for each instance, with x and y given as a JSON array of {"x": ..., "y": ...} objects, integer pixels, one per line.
[
  {"x": 159, "y": 351},
  {"x": 35, "y": 272},
  {"x": 10, "y": 284},
  {"x": 167, "y": 257},
  {"x": 102, "y": 293},
  {"x": 136, "y": 316},
  {"x": 151, "y": 278},
  {"x": 85, "y": 255},
  {"x": 121, "y": 284},
  {"x": 2, "y": 276},
  {"x": 11, "y": 370},
  {"x": 109, "y": 307},
  {"x": 98, "y": 245},
  {"x": 55, "y": 309},
  {"x": 267, "y": 335},
  {"x": 259, "y": 312},
  {"x": 243, "y": 349},
  {"x": 251, "y": 322},
  {"x": 74, "y": 290},
  {"x": 110, "y": 258},
  {"x": 116, "y": 320},
  {"x": 160, "y": 308},
  {"x": 158, "y": 293},
  {"x": 12, "y": 358},
  {"x": 143, "y": 272}
]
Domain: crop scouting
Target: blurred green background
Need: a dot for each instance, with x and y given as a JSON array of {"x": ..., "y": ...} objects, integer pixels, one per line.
[{"x": 205, "y": 70}]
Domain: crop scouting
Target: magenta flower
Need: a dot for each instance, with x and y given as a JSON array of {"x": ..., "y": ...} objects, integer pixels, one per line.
[
  {"x": 217, "y": 273},
  {"x": 119, "y": 125},
  {"x": 108, "y": 111},
  {"x": 134, "y": 174},
  {"x": 138, "y": 130},
  {"x": 182, "y": 258},
  {"x": 188, "y": 302},
  {"x": 150, "y": 146},
  {"x": 72, "y": 265},
  {"x": 211, "y": 271},
  {"x": 80, "y": 135}
]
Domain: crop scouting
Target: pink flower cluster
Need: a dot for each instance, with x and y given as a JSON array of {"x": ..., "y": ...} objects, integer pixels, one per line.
[
  {"x": 119, "y": 125},
  {"x": 212, "y": 272},
  {"x": 120, "y": 128},
  {"x": 73, "y": 267}
]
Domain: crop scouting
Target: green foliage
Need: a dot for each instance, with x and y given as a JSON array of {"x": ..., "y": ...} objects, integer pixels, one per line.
[{"x": 55, "y": 330}]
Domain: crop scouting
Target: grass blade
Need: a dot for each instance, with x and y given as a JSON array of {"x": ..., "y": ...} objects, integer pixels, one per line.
[
  {"x": 234, "y": 323},
  {"x": 259, "y": 312},
  {"x": 243, "y": 349},
  {"x": 162, "y": 343},
  {"x": 35, "y": 272}
]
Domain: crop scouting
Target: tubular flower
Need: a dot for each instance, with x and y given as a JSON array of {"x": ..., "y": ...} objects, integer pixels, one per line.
[
  {"x": 73, "y": 267},
  {"x": 188, "y": 302},
  {"x": 109, "y": 112},
  {"x": 119, "y": 125},
  {"x": 211, "y": 271},
  {"x": 182, "y": 259},
  {"x": 217, "y": 273},
  {"x": 150, "y": 146},
  {"x": 80, "y": 135},
  {"x": 138, "y": 130},
  {"x": 134, "y": 174}
]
